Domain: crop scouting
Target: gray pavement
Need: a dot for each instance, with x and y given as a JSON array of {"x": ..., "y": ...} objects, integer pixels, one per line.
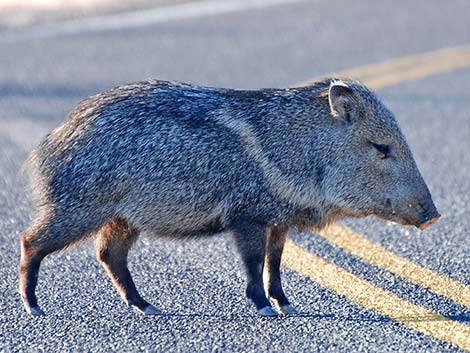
[
  {"x": 199, "y": 284},
  {"x": 16, "y": 15}
]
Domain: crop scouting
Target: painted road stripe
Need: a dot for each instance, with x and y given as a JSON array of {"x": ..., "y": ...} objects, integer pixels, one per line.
[
  {"x": 372, "y": 297},
  {"x": 412, "y": 67},
  {"x": 375, "y": 254},
  {"x": 140, "y": 18}
]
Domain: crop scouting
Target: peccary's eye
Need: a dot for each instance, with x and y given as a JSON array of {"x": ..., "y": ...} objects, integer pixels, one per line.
[{"x": 383, "y": 149}]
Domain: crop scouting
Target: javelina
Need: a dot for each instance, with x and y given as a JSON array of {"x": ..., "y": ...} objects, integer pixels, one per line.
[{"x": 176, "y": 160}]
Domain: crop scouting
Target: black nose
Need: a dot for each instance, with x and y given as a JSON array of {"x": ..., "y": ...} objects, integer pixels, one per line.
[{"x": 430, "y": 215}]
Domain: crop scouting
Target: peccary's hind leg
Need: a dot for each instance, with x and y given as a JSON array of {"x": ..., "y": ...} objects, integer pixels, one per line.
[
  {"x": 250, "y": 238},
  {"x": 48, "y": 233},
  {"x": 274, "y": 247},
  {"x": 113, "y": 243},
  {"x": 30, "y": 262}
]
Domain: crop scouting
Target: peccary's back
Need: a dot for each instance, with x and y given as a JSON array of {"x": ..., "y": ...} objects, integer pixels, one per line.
[{"x": 154, "y": 152}]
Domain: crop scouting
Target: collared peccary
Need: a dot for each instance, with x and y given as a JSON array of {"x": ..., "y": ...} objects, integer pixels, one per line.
[{"x": 177, "y": 160}]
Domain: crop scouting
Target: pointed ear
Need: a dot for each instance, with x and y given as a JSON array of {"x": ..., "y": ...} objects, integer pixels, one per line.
[{"x": 342, "y": 100}]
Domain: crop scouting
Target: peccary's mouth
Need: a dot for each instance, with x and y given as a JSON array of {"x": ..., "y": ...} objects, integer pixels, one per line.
[
  {"x": 395, "y": 219},
  {"x": 422, "y": 224},
  {"x": 388, "y": 214}
]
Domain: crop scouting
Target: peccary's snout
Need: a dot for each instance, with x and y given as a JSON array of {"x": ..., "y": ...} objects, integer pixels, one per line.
[
  {"x": 412, "y": 206},
  {"x": 429, "y": 214},
  {"x": 417, "y": 211}
]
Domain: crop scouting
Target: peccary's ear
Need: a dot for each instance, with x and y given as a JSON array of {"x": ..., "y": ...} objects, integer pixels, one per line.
[{"x": 342, "y": 100}]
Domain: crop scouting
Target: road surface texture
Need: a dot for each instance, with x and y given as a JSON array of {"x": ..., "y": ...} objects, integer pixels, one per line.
[{"x": 382, "y": 287}]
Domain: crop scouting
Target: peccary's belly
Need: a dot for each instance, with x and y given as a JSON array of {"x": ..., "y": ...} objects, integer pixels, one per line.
[
  {"x": 178, "y": 201},
  {"x": 166, "y": 211}
]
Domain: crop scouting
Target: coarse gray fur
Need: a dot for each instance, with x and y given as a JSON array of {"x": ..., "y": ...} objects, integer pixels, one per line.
[{"x": 177, "y": 160}]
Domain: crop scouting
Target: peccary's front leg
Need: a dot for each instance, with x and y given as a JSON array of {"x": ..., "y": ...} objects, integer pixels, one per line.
[
  {"x": 276, "y": 239},
  {"x": 113, "y": 243},
  {"x": 250, "y": 238}
]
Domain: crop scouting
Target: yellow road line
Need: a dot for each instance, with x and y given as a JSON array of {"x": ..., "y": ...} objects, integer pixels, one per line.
[
  {"x": 375, "y": 298},
  {"x": 408, "y": 68},
  {"x": 375, "y": 254}
]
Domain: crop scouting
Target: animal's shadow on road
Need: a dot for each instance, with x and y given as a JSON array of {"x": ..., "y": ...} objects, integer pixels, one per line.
[{"x": 320, "y": 316}]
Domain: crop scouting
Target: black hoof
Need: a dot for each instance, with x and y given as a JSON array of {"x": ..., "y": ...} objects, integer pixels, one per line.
[
  {"x": 268, "y": 311},
  {"x": 34, "y": 310}
]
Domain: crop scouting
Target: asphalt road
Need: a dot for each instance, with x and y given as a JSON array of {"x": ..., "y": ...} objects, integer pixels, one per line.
[{"x": 199, "y": 284}]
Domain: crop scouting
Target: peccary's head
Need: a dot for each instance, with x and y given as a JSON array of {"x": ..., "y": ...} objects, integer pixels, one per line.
[{"x": 371, "y": 170}]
